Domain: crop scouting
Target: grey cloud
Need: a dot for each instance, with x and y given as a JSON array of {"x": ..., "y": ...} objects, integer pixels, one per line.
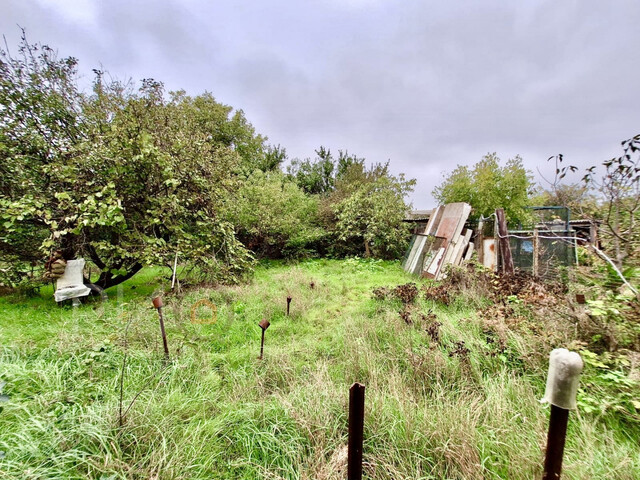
[{"x": 424, "y": 84}]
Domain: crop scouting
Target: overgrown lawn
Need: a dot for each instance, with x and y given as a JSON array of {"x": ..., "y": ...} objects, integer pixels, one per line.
[{"x": 442, "y": 401}]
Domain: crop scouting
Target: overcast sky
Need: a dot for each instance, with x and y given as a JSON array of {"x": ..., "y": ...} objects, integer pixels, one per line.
[{"x": 425, "y": 84}]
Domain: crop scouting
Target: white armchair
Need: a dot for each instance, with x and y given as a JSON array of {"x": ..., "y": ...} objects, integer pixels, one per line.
[{"x": 70, "y": 285}]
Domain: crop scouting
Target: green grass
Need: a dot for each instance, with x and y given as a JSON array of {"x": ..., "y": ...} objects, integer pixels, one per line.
[{"x": 216, "y": 412}]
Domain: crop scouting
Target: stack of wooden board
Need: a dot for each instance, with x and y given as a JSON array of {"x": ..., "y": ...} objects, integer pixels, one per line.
[{"x": 442, "y": 243}]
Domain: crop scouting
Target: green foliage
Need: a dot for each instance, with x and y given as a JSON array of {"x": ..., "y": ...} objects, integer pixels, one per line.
[
  {"x": 226, "y": 127},
  {"x": 361, "y": 209},
  {"x": 314, "y": 177},
  {"x": 372, "y": 211},
  {"x": 487, "y": 186},
  {"x": 123, "y": 177},
  {"x": 273, "y": 217},
  {"x": 320, "y": 175},
  {"x": 616, "y": 317},
  {"x": 606, "y": 387},
  {"x": 271, "y": 160},
  {"x": 128, "y": 178},
  {"x": 364, "y": 265}
]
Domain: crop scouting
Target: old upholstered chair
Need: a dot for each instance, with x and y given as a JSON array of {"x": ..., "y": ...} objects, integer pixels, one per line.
[{"x": 70, "y": 285}]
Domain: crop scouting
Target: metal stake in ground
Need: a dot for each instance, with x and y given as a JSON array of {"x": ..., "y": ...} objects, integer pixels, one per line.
[
  {"x": 562, "y": 387},
  {"x": 264, "y": 324},
  {"x": 157, "y": 303},
  {"x": 356, "y": 431},
  {"x": 288, "y": 304}
]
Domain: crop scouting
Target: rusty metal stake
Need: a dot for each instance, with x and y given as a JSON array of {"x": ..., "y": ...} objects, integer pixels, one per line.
[
  {"x": 555, "y": 443},
  {"x": 288, "y": 304},
  {"x": 264, "y": 324},
  {"x": 356, "y": 431},
  {"x": 580, "y": 298},
  {"x": 312, "y": 285},
  {"x": 157, "y": 303}
]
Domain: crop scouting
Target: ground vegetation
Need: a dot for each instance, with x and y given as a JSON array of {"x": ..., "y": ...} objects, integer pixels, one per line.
[{"x": 452, "y": 383}]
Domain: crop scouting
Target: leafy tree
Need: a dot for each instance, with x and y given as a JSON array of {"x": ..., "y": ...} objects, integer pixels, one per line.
[
  {"x": 123, "y": 177},
  {"x": 314, "y": 177},
  {"x": 320, "y": 175},
  {"x": 274, "y": 217},
  {"x": 361, "y": 209},
  {"x": 369, "y": 210},
  {"x": 272, "y": 159},
  {"x": 487, "y": 186}
]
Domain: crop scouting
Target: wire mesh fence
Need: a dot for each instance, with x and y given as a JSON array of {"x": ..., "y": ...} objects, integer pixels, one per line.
[{"x": 543, "y": 252}]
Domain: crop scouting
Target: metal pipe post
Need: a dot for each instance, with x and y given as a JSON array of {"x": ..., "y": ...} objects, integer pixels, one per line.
[
  {"x": 561, "y": 391},
  {"x": 555, "y": 443},
  {"x": 157, "y": 302},
  {"x": 264, "y": 324},
  {"x": 356, "y": 432}
]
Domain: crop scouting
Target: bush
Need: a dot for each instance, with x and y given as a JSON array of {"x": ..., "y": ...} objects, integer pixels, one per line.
[{"x": 274, "y": 218}]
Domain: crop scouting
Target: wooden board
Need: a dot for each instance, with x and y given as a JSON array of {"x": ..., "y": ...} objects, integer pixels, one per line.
[
  {"x": 460, "y": 248},
  {"x": 433, "y": 258},
  {"x": 506, "y": 260},
  {"x": 453, "y": 219},
  {"x": 469, "y": 252},
  {"x": 434, "y": 221},
  {"x": 434, "y": 265},
  {"x": 442, "y": 243},
  {"x": 417, "y": 248}
]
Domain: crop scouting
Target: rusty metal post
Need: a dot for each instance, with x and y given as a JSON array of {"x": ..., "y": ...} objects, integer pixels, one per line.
[
  {"x": 264, "y": 324},
  {"x": 288, "y": 304},
  {"x": 157, "y": 303},
  {"x": 356, "y": 432},
  {"x": 261, "y": 345},
  {"x": 555, "y": 443}
]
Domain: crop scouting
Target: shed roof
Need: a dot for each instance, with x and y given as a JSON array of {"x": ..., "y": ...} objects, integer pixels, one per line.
[{"x": 418, "y": 215}]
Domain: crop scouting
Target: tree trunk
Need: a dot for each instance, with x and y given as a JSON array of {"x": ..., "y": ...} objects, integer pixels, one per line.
[
  {"x": 107, "y": 280},
  {"x": 367, "y": 250}
]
